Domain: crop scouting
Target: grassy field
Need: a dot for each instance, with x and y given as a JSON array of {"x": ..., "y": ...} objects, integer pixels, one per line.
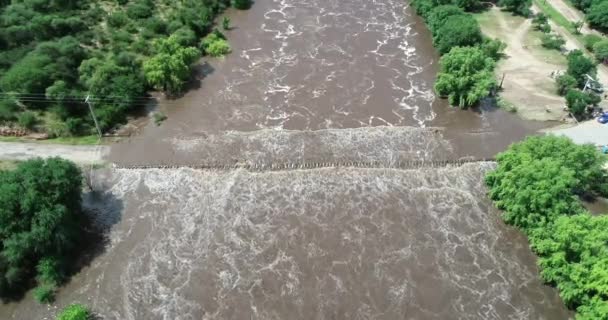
[
  {"x": 84, "y": 140},
  {"x": 555, "y": 15}
]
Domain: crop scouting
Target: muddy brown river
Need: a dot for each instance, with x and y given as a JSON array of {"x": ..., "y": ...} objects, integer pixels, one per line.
[{"x": 310, "y": 81}]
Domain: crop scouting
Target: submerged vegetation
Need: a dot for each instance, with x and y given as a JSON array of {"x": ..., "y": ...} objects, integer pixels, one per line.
[
  {"x": 55, "y": 53},
  {"x": 538, "y": 183}
]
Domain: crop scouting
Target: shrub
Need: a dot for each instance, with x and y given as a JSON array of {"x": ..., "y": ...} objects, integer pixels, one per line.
[
  {"x": 27, "y": 120},
  {"x": 552, "y": 41},
  {"x": 591, "y": 39},
  {"x": 577, "y": 101},
  {"x": 159, "y": 117},
  {"x": 564, "y": 83},
  {"x": 139, "y": 10},
  {"x": 45, "y": 293},
  {"x": 600, "y": 49},
  {"x": 242, "y": 4},
  {"x": 597, "y": 15},
  {"x": 493, "y": 48},
  {"x": 215, "y": 44},
  {"x": 226, "y": 23},
  {"x": 8, "y": 109},
  {"x": 117, "y": 19},
  {"x": 74, "y": 312}
]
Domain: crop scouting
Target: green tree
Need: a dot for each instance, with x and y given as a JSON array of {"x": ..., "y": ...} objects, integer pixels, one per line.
[
  {"x": 518, "y": 7},
  {"x": 574, "y": 256},
  {"x": 532, "y": 192},
  {"x": 600, "y": 50},
  {"x": 466, "y": 76},
  {"x": 584, "y": 160},
  {"x": 564, "y": 83},
  {"x": 169, "y": 68},
  {"x": 440, "y": 15},
  {"x": 577, "y": 102},
  {"x": 74, "y": 312},
  {"x": 579, "y": 66},
  {"x": 458, "y": 31},
  {"x": 598, "y": 15},
  {"x": 40, "y": 223}
]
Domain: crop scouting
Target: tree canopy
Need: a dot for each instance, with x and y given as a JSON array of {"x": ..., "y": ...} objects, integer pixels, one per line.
[
  {"x": 457, "y": 31},
  {"x": 579, "y": 65},
  {"x": 536, "y": 183},
  {"x": 597, "y": 15},
  {"x": 62, "y": 51},
  {"x": 40, "y": 222},
  {"x": 466, "y": 76},
  {"x": 169, "y": 68}
]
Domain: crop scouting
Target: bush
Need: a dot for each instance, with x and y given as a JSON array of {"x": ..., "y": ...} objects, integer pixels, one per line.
[
  {"x": 552, "y": 41},
  {"x": 226, "y": 23},
  {"x": 159, "y": 117},
  {"x": 242, "y": 4},
  {"x": 74, "y": 312},
  {"x": 8, "y": 109},
  {"x": 600, "y": 50},
  {"x": 215, "y": 44},
  {"x": 564, "y": 83},
  {"x": 139, "y": 10},
  {"x": 591, "y": 39},
  {"x": 118, "y": 19},
  {"x": 576, "y": 101},
  {"x": 27, "y": 120},
  {"x": 45, "y": 293}
]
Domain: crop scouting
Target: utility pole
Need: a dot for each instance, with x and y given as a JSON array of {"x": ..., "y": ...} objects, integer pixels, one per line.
[{"x": 93, "y": 115}]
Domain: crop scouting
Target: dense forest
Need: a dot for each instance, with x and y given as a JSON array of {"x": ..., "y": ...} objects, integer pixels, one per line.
[{"x": 55, "y": 53}]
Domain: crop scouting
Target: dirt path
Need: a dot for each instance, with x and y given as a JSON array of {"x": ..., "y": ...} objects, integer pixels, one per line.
[
  {"x": 80, "y": 154},
  {"x": 571, "y": 41},
  {"x": 527, "y": 83},
  {"x": 571, "y": 14}
]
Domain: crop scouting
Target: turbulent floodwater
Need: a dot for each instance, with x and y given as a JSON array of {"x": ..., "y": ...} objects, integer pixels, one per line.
[{"x": 310, "y": 81}]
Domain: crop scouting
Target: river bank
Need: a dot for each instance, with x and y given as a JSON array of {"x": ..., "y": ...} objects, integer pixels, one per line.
[{"x": 313, "y": 78}]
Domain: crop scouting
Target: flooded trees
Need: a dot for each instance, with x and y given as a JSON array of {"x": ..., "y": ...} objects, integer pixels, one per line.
[
  {"x": 40, "y": 224},
  {"x": 537, "y": 184},
  {"x": 170, "y": 67},
  {"x": 466, "y": 76}
]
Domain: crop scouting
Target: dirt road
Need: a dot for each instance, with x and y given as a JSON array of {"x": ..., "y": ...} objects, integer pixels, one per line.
[
  {"x": 527, "y": 83},
  {"x": 79, "y": 154}
]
